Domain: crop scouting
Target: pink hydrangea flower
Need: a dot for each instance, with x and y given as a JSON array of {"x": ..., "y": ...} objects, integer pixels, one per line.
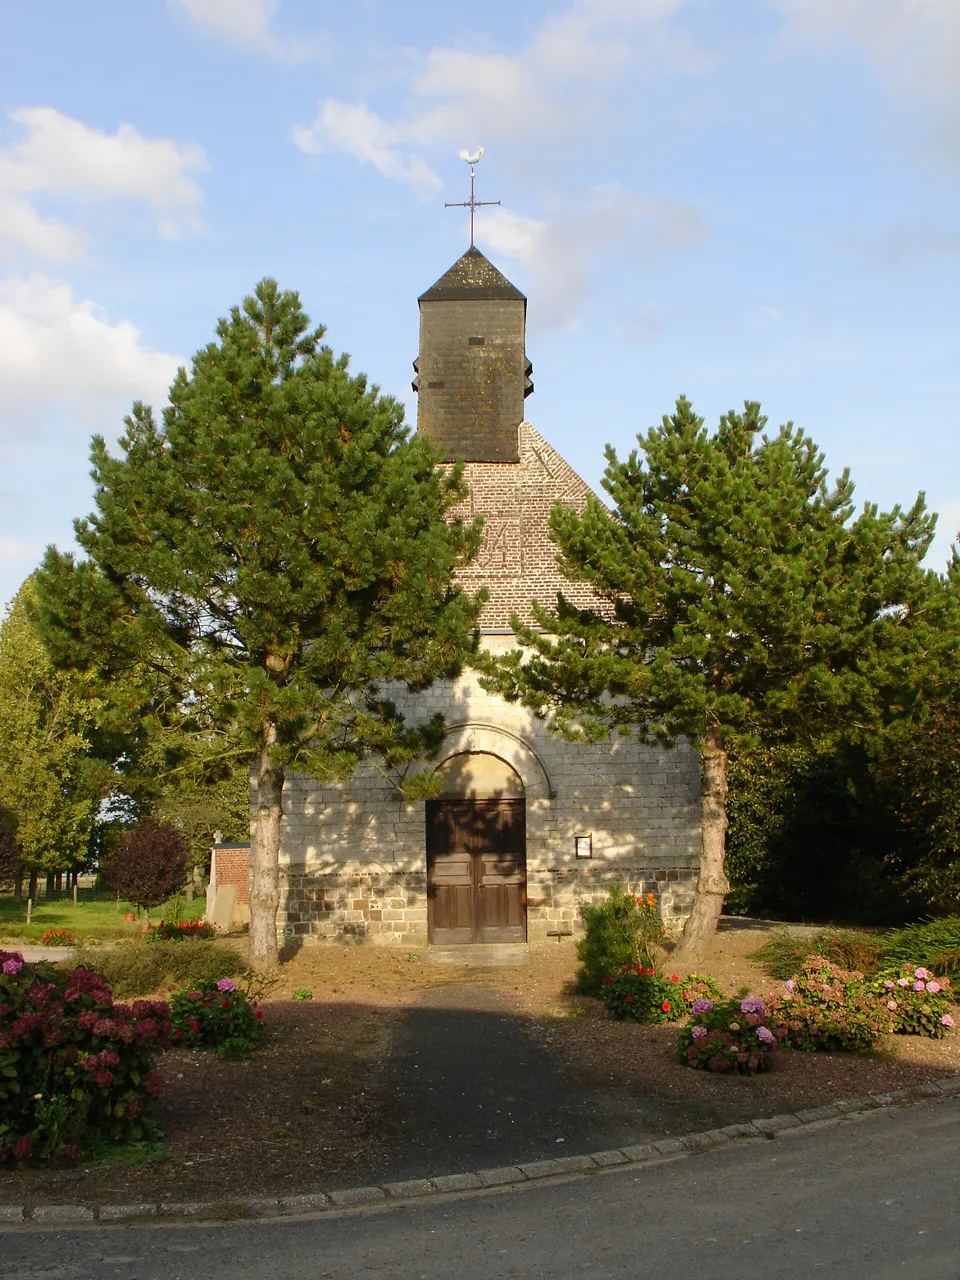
[
  {"x": 921, "y": 973},
  {"x": 789, "y": 985},
  {"x": 903, "y": 982},
  {"x": 946, "y": 1020},
  {"x": 12, "y": 966},
  {"x": 891, "y": 1004},
  {"x": 226, "y": 984},
  {"x": 699, "y": 1033},
  {"x": 933, "y": 987},
  {"x": 918, "y": 986},
  {"x": 889, "y": 983}
]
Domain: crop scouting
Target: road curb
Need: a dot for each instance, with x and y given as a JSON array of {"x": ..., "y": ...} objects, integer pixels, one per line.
[{"x": 418, "y": 1189}]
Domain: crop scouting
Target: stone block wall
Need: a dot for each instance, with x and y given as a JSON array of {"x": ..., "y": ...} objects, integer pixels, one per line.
[{"x": 353, "y": 858}]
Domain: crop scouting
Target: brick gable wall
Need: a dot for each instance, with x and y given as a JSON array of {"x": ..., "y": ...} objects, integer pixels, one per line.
[{"x": 518, "y": 562}]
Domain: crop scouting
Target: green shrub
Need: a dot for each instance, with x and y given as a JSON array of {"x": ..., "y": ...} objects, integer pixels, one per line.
[
  {"x": 828, "y": 1008},
  {"x": 135, "y": 969},
  {"x": 919, "y": 1002},
  {"x": 179, "y": 931},
  {"x": 303, "y": 993},
  {"x": 620, "y": 931},
  {"x": 641, "y": 995},
  {"x": 783, "y": 954},
  {"x": 931, "y": 944},
  {"x": 74, "y": 1066},
  {"x": 638, "y": 994},
  {"x": 217, "y": 1015},
  {"x": 730, "y": 1035}
]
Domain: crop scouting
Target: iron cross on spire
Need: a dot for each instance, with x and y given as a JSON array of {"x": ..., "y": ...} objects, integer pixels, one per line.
[{"x": 473, "y": 203}]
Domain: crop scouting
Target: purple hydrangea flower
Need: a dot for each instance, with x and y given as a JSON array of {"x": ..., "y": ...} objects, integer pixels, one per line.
[
  {"x": 765, "y": 1035},
  {"x": 789, "y": 985},
  {"x": 752, "y": 1005},
  {"x": 889, "y": 983},
  {"x": 12, "y": 966},
  {"x": 699, "y": 1033},
  {"x": 226, "y": 984},
  {"x": 701, "y": 1006}
]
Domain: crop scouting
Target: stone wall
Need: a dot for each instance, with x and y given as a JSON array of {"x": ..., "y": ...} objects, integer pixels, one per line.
[{"x": 353, "y": 859}]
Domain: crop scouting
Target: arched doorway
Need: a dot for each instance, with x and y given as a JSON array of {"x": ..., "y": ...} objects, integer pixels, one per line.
[{"x": 477, "y": 853}]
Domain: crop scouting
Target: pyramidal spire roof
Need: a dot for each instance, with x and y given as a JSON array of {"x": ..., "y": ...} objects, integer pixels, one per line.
[{"x": 472, "y": 276}]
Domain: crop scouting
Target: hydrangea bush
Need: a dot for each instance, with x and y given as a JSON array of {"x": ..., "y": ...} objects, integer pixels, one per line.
[
  {"x": 74, "y": 1066},
  {"x": 918, "y": 1001},
  {"x": 728, "y": 1035},
  {"x": 828, "y": 1008},
  {"x": 217, "y": 1015}
]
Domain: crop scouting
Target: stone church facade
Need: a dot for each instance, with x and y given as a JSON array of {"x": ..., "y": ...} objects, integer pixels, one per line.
[{"x": 529, "y": 827}]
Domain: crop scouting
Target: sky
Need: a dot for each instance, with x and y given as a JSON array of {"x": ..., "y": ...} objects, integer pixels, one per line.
[{"x": 752, "y": 200}]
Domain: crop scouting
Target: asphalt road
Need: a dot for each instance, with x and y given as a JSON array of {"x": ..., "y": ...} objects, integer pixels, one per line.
[{"x": 872, "y": 1197}]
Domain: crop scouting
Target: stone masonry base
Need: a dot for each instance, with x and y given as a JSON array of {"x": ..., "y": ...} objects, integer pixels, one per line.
[{"x": 390, "y": 907}]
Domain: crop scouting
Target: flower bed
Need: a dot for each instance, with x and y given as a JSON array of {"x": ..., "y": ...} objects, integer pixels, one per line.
[
  {"x": 639, "y": 994},
  {"x": 217, "y": 1015},
  {"x": 828, "y": 1008},
  {"x": 731, "y": 1035},
  {"x": 918, "y": 1002},
  {"x": 58, "y": 938},
  {"x": 74, "y": 1066},
  {"x": 179, "y": 931}
]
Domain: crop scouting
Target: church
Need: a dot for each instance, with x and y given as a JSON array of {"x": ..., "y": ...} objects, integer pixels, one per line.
[{"x": 529, "y": 827}]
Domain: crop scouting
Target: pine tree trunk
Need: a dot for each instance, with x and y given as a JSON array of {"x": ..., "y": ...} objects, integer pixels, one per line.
[
  {"x": 50, "y": 881},
  {"x": 265, "y": 864},
  {"x": 712, "y": 884}
]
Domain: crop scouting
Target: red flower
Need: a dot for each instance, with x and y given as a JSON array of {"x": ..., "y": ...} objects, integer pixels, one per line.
[
  {"x": 224, "y": 1004},
  {"x": 665, "y": 1006},
  {"x": 651, "y": 973},
  {"x": 629, "y": 999},
  {"x": 674, "y": 978},
  {"x": 194, "y": 1026},
  {"x": 259, "y": 1016}
]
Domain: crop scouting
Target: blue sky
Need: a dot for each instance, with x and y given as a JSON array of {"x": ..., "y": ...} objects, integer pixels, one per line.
[{"x": 727, "y": 200}]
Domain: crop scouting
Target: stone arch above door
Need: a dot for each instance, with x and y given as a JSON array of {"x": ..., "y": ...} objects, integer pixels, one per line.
[
  {"x": 479, "y": 775},
  {"x": 489, "y": 739}
]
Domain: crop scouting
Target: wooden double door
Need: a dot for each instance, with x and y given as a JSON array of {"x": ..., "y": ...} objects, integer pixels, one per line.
[{"x": 476, "y": 871}]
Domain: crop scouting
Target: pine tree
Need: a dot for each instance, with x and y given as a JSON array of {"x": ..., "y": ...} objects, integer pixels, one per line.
[
  {"x": 281, "y": 546},
  {"x": 740, "y": 599}
]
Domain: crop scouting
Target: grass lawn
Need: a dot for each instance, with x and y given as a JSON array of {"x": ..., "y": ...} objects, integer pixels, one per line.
[{"x": 90, "y": 918}]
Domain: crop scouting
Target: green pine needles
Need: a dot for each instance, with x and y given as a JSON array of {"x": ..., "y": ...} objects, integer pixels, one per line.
[
  {"x": 739, "y": 598},
  {"x": 283, "y": 549}
]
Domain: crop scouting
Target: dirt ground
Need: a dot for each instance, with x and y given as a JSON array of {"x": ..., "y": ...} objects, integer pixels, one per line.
[{"x": 314, "y": 1108}]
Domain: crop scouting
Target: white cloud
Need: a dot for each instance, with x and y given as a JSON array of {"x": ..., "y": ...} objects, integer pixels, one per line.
[
  {"x": 344, "y": 126},
  {"x": 913, "y": 47},
  {"x": 249, "y": 23},
  {"x": 20, "y": 224},
  {"x": 16, "y": 549},
  {"x": 560, "y": 250},
  {"x": 548, "y": 92},
  {"x": 61, "y": 156},
  {"x": 56, "y": 349}
]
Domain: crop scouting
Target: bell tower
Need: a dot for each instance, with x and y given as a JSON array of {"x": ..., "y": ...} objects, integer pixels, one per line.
[{"x": 472, "y": 371}]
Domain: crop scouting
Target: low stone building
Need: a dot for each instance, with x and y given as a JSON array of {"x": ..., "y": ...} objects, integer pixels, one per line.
[{"x": 529, "y": 827}]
